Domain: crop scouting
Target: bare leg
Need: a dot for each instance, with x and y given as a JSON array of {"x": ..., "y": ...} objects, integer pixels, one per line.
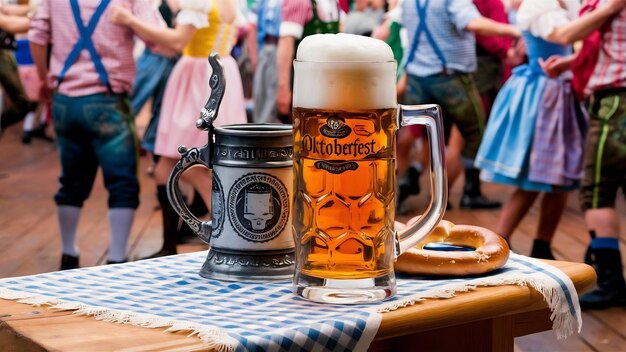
[
  {"x": 552, "y": 207},
  {"x": 403, "y": 151},
  {"x": 604, "y": 221},
  {"x": 453, "y": 156},
  {"x": 514, "y": 211},
  {"x": 200, "y": 179},
  {"x": 163, "y": 168}
]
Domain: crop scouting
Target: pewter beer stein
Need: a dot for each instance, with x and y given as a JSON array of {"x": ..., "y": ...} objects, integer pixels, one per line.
[
  {"x": 345, "y": 123},
  {"x": 249, "y": 235}
]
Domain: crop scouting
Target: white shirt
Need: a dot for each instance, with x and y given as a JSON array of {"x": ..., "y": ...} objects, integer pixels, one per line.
[{"x": 541, "y": 17}]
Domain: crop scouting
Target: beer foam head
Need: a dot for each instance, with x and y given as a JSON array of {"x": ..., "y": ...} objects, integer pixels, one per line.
[
  {"x": 343, "y": 47},
  {"x": 344, "y": 72}
]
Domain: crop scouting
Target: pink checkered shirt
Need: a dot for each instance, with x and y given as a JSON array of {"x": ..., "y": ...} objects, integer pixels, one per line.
[
  {"x": 610, "y": 71},
  {"x": 54, "y": 24}
]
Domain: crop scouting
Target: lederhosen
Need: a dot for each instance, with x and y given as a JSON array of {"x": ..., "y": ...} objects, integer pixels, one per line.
[
  {"x": 12, "y": 83},
  {"x": 466, "y": 81},
  {"x": 94, "y": 130}
]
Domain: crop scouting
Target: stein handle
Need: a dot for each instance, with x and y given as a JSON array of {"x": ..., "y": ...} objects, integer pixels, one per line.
[
  {"x": 190, "y": 157},
  {"x": 430, "y": 116}
]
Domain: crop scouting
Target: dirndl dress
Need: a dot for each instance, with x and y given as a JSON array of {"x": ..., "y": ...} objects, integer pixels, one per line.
[
  {"x": 188, "y": 88},
  {"x": 535, "y": 134}
]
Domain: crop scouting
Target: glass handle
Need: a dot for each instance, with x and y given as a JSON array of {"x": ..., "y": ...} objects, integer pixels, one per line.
[
  {"x": 430, "y": 116},
  {"x": 190, "y": 157}
]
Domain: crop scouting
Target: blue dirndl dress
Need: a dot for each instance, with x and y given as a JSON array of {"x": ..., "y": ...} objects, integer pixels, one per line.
[{"x": 535, "y": 134}]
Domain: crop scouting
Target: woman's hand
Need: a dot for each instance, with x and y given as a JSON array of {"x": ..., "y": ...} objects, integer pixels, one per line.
[
  {"x": 45, "y": 93},
  {"x": 555, "y": 65},
  {"x": 283, "y": 100},
  {"x": 121, "y": 14}
]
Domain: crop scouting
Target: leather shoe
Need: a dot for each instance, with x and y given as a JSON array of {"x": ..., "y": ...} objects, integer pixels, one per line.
[
  {"x": 116, "y": 262},
  {"x": 409, "y": 184},
  {"x": 541, "y": 250},
  {"x": 39, "y": 132},
  {"x": 478, "y": 202},
  {"x": 69, "y": 262}
]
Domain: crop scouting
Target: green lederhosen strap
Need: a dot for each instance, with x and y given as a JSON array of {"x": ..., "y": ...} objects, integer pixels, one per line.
[{"x": 317, "y": 26}]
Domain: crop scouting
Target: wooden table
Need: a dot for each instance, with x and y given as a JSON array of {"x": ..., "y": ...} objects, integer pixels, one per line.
[{"x": 487, "y": 319}]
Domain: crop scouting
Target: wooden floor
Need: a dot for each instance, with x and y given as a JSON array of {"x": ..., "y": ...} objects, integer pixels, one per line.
[{"x": 30, "y": 243}]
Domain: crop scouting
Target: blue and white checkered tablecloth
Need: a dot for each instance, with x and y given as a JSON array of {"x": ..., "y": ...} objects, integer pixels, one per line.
[{"x": 168, "y": 292}]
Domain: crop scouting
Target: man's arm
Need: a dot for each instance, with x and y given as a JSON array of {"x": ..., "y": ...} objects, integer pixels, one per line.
[
  {"x": 154, "y": 33},
  {"x": 485, "y": 26},
  {"x": 295, "y": 14},
  {"x": 497, "y": 46},
  {"x": 584, "y": 25},
  {"x": 252, "y": 45},
  {"x": 284, "y": 58},
  {"x": 465, "y": 16},
  {"x": 15, "y": 10},
  {"x": 40, "y": 57},
  {"x": 228, "y": 10},
  {"x": 14, "y": 24},
  {"x": 383, "y": 31},
  {"x": 39, "y": 36}
]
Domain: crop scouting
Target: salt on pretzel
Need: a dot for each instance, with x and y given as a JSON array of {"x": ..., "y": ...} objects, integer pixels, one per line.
[{"x": 490, "y": 252}]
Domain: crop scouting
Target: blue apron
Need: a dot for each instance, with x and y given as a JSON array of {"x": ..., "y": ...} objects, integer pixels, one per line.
[{"x": 85, "y": 42}]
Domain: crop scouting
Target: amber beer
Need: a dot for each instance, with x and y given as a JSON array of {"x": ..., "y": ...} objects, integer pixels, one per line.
[
  {"x": 344, "y": 204},
  {"x": 344, "y": 124}
]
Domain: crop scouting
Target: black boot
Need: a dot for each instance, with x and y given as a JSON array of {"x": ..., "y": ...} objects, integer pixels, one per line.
[
  {"x": 409, "y": 184},
  {"x": 170, "y": 225},
  {"x": 197, "y": 208},
  {"x": 69, "y": 262},
  {"x": 611, "y": 287},
  {"x": 541, "y": 250},
  {"x": 39, "y": 132},
  {"x": 472, "y": 197},
  {"x": 588, "y": 259}
]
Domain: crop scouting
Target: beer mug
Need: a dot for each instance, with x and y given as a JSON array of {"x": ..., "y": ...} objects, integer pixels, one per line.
[{"x": 345, "y": 120}]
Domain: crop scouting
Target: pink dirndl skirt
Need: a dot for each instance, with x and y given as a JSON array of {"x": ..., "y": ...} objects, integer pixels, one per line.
[{"x": 186, "y": 93}]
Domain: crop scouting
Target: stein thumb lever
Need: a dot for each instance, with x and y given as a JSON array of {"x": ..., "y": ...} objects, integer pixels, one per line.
[{"x": 217, "y": 82}]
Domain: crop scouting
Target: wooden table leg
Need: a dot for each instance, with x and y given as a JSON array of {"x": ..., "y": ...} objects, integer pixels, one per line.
[
  {"x": 480, "y": 336},
  {"x": 12, "y": 341}
]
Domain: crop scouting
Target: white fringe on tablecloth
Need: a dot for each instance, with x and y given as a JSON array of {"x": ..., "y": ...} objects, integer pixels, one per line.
[
  {"x": 564, "y": 323},
  {"x": 213, "y": 338}
]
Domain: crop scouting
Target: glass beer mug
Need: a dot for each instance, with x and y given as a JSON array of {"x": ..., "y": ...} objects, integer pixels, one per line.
[{"x": 345, "y": 120}]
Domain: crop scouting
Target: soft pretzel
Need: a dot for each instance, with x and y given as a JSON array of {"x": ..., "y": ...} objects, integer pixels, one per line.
[{"x": 490, "y": 252}]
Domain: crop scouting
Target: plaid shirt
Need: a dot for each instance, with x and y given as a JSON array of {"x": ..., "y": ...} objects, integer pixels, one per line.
[
  {"x": 54, "y": 24},
  {"x": 610, "y": 71}
]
